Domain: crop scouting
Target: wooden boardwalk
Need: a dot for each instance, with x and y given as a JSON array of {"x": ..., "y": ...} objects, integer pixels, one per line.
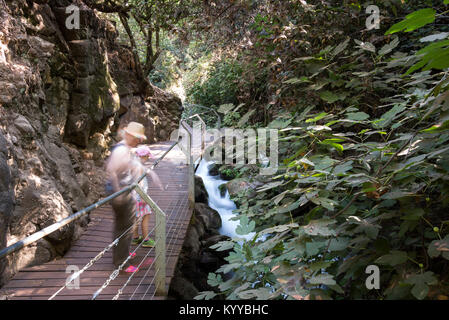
[{"x": 41, "y": 282}]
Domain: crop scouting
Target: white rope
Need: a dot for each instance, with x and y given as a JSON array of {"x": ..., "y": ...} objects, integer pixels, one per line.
[
  {"x": 120, "y": 291},
  {"x": 173, "y": 228},
  {"x": 92, "y": 261},
  {"x": 115, "y": 273}
]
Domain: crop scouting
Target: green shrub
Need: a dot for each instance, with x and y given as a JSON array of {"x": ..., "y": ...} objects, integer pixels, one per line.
[{"x": 219, "y": 87}]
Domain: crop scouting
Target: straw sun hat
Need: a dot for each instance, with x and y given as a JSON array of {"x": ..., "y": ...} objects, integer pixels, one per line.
[{"x": 135, "y": 129}]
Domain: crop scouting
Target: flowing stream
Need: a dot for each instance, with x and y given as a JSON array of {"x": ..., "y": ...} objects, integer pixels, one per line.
[{"x": 224, "y": 205}]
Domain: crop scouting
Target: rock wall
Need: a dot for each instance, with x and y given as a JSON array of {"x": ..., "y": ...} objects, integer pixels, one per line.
[
  {"x": 197, "y": 259},
  {"x": 63, "y": 95}
]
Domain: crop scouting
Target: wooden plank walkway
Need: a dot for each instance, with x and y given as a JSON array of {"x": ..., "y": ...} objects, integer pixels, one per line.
[{"x": 41, "y": 282}]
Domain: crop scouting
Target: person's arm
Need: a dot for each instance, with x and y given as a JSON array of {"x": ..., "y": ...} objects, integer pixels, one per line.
[
  {"x": 117, "y": 163},
  {"x": 155, "y": 178}
]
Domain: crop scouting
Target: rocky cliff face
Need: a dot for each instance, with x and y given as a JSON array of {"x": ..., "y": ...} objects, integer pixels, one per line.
[{"x": 63, "y": 95}]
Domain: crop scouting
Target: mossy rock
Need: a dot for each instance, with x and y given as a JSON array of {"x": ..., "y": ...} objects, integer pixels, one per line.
[
  {"x": 222, "y": 189},
  {"x": 228, "y": 172},
  {"x": 240, "y": 185},
  {"x": 213, "y": 169}
]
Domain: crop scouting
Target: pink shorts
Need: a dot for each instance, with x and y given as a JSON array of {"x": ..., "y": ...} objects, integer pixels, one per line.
[{"x": 142, "y": 209}]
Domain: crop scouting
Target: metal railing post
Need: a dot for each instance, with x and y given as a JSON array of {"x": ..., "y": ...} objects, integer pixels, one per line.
[
  {"x": 160, "y": 263},
  {"x": 191, "y": 183},
  {"x": 160, "y": 243}
]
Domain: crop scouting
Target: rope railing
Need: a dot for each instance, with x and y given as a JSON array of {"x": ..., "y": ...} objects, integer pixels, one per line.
[
  {"x": 115, "y": 273},
  {"x": 174, "y": 229},
  {"x": 92, "y": 261}
]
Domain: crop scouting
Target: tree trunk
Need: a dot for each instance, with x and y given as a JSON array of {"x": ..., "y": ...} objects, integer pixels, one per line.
[{"x": 144, "y": 83}]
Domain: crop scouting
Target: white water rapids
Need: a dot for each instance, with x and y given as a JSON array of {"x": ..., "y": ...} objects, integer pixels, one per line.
[{"x": 224, "y": 205}]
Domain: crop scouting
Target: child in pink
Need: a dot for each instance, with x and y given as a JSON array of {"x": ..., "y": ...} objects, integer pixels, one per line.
[{"x": 142, "y": 208}]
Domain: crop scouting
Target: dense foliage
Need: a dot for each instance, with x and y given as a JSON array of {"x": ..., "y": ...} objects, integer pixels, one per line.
[{"x": 365, "y": 171}]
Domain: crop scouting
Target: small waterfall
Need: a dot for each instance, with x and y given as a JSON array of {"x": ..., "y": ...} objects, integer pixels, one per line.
[{"x": 224, "y": 205}]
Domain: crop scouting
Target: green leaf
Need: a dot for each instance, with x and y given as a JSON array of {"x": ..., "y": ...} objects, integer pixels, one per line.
[
  {"x": 420, "y": 284},
  {"x": 314, "y": 247},
  {"x": 245, "y": 118},
  {"x": 393, "y": 258},
  {"x": 413, "y": 214},
  {"x": 439, "y": 247},
  {"x": 389, "y": 47},
  {"x": 389, "y": 116},
  {"x": 278, "y": 229},
  {"x": 279, "y": 123},
  {"x": 329, "y": 97},
  {"x": 297, "y": 80},
  {"x": 206, "y": 295},
  {"x": 326, "y": 279},
  {"x": 338, "y": 244},
  {"x": 413, "y": 21},
  {"x": 245, "y": 227},
  {"x": 289, "y": 206},
  {"x": 342, "y": 46},
  {"x": 357, "y": 116},
  {"x": 325, "y": 202},
  {"x": 420, "y": 290},
  {"x": 214, "y": 279},
  {"x": 225, "y": 108},
  {"x": 223, "y": 245},
  {"x": 270, "y": 185},
  {"x": 433, "y": 37},
  {"x": 319, "y": 227},
  {"x": 306, "y": 161},
  {"x": 342, "y": 168},
  {"x": 258, "y": 294},
  {"x": 396, "y": 195},
  {"x": 337, "y": 146},
  {"x": 228, "y": 267},
  {"x": 366, "y": 46},
  {"x": 320, "y": 265},
  {"x": 318, "y": 117},
  {"x": 437, "y": 128},
  {"x": 434, "y": 56}
]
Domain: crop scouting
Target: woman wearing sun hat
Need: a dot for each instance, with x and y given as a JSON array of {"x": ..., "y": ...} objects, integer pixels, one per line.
[{"x": 123, "y": 169}]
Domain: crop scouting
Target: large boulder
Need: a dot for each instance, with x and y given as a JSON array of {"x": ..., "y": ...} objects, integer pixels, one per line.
[
  {"x": 200, "y": 190},
  {"x": 239, "y": 185},
  {"x": 182, "y": 289},
  {"x": 208, "y": 216},
  {"x": 213, "y": 169}
]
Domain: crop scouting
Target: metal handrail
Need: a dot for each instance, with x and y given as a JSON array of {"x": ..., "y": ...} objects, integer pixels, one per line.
[
  {"x": 58, "y": 225},
  {"x": 188, "y": 152},
  {"x": 208, "y": 110},
  {"x": 160, "y": 230}
]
